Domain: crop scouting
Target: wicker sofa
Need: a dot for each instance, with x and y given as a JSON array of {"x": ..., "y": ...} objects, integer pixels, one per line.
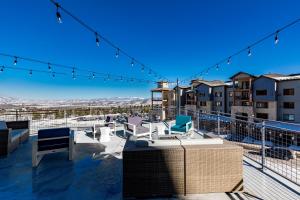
[
  {"x": 155, "y": 171},
  {"x": 12, "y": 134}
]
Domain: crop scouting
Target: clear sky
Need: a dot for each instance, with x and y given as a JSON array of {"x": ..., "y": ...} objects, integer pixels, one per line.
[{"x": 176, "y": 38}]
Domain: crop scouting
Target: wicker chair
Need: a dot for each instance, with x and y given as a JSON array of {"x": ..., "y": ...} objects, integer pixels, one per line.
[{"x": 12, "y": 134}]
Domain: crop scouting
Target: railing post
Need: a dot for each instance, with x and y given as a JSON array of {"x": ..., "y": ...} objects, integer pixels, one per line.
[
  {"x": 263, "y": 133},
  {"x": 219, "y": 124},
  {"x": 66, "y": 117},
  {"x": 17, "y": 115},
  {"x": 198, "y": 120}
]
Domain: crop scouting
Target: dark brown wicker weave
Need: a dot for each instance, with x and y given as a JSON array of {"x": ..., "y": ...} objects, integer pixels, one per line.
[
  {"x": 180, "y": 170},
  {"x": 7, "y": 145}
]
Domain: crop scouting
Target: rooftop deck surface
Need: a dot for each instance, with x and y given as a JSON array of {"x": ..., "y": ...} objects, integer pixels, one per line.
[{"x": 96, "y": 173}]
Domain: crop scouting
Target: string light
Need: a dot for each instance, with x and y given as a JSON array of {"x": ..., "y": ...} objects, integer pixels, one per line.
[
  {"x": 93, "y": 75},
  {"x": 73, "y": 73},
  {"x": 97, "y": 39},
  {"x": 58, "y": 16},
  {"x": 16, "y": 60},
  {"x": 49, "y": 67},
  {"x": 217, "y": 67},
  {"x": 2, "y": 69},
  {"x": 117, "y": 53},
  {"x": 143, "y": 68},
  {"x": 30, "y": 72},
  {"x": 274, "y": 35},
  {"x": 132, "y": 62},
  {"x": 53, "y": 74},
  {"x": 276, "y": 39},
  {"x": 249, "y": 51},
  {"x": 229, "y": 61}
]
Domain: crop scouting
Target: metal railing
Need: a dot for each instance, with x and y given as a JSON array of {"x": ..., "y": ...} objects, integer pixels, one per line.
[{"x": 274, "y": 145}]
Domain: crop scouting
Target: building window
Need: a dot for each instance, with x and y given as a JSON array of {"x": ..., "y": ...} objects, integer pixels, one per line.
[
  {"x": 218, "y": 94},
  {"x": 289, "y": 105},
  {"x": 288, "y": 117},
  {"x": 262, "y": 105},
  {"x": 202, "y": 103},
  {"x": 262, "y": 115},
  {"x": 218, "y": 103},
  {"x": 289, "y": 91},
  {"x": 261, "y": 92}
]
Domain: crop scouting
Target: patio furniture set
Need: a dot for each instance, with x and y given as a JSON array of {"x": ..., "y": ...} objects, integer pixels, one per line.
[{"x": 173, "y": 164}]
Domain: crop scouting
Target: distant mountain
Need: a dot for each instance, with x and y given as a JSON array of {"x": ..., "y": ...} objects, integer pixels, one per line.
[{"x": 114, "y": 101}]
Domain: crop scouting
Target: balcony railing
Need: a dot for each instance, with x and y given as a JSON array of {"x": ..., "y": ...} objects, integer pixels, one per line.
[{"x": 272, "y": 144}]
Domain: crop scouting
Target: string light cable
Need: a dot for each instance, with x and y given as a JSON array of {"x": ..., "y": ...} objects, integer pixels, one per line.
[
  {"x": 248, "y": 49},
  {"x": 74, "y": 70},
  {"x": 99, "y": 37}
]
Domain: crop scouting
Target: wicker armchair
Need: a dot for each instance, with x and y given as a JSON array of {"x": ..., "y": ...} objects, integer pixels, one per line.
[{"x": 12, "y": 134}]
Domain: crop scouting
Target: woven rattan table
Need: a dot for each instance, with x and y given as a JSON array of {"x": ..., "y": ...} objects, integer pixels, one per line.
[{"x": 179, "y": 170}]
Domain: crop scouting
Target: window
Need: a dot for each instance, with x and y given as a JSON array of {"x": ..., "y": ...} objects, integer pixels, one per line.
[
  {"x": 262, "y": 115},
  {"x": 218, "y": 103},
  {"x": 218, "y": 94},
  {"x": 288, "y": 117},
  {"x": 261, "y": 104},
  {"x": 202, "y": 103},
  {"x": 289, "y": 91},
  {"x": 261, "y": 92},
  {"x": 289, "y": 105}
]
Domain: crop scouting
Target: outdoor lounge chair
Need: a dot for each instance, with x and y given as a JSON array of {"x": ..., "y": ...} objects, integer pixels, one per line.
[
  {"x": 134, "y": 126},
  {"x": 52, "y": 141},
  {"x": 109, "y": 122},
  {"x": 12, "y": 134},
  {"x": 183, "y": 124}
]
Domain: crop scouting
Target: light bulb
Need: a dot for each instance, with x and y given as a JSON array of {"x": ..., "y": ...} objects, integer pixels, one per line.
[
  {"x": 49, "y": 67},
  {"x": 132, "y": 62},
  {"x": 93, "y": 75},
  {"x": 97, "y": 40},
  {"x": 30, "y": 72},
  {"x": 16, "y": 61},
  {"x": 58, "y": 16},
  {"x": 249, "y": 51},
  {"x": 229, "y": 60},
  {"x": 117, "y": 53},
  {"x": 217, "y": 67},
  {"x": 276, "y": 39}
]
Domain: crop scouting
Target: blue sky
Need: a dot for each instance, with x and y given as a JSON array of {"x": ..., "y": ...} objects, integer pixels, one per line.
[{"x": 176, "y": 38}]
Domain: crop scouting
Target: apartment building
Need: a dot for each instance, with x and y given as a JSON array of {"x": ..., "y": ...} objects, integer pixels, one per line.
[
  {"x": 269, "y": 96},
  {"x": 242, "y": 104},
  {"x": 277, "y": 97},
  {"x": 211, "y": 96},
  {"x": 162, "y": 98}
]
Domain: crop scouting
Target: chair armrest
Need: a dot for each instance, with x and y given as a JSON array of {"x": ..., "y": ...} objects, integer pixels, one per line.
[
  {"x": 187, "y": 126},
  {"x": 5, "y": 134},
  {"x": 134, "y": 127}
]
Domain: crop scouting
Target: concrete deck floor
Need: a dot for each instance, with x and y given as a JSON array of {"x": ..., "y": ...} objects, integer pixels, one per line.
[{"x": 96, "y": 173}]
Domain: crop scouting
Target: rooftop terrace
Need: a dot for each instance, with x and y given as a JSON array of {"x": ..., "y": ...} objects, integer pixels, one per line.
[{"x": 96, "y": 173}]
